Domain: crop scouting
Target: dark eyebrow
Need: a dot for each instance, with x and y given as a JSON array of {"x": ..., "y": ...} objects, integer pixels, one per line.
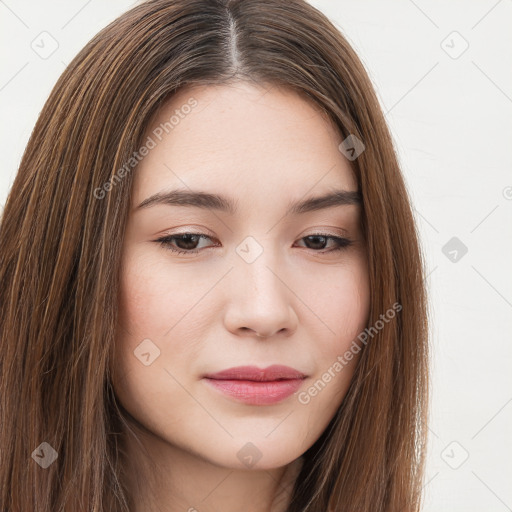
[
  {"x": 333, "y": 198},
  {"x": 218, "y": 202}
]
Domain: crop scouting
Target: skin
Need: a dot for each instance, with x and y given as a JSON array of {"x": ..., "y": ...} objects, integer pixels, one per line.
[{"x": 263, "y": 147}]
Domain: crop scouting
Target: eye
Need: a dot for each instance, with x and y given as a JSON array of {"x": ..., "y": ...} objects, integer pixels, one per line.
[
  {"x": 322, "y": 240},
  {"x": 186, "y": 243}
]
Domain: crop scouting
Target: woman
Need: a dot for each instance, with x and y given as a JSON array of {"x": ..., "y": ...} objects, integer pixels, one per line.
[{"x": 212, "y": 289}]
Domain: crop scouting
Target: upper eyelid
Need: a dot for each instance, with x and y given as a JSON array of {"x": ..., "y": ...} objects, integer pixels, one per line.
[{"x": 319, "y": 231}]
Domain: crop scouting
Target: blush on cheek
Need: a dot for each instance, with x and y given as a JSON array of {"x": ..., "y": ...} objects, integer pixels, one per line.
[
  {"x": 348, "y": 306},
  {"x": 146, "y": 297}
]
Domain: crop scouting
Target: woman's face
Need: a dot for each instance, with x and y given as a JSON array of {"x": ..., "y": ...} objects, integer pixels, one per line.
[{"x": 261, "y": 268}]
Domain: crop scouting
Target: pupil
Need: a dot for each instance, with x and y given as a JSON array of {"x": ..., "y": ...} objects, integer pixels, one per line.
[
  {"x": 187, "y": 240},
  {"x": 321, "y": 238}
]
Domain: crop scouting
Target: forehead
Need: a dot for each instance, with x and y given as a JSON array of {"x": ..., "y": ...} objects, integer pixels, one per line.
[{"x": 266, "y": 140}]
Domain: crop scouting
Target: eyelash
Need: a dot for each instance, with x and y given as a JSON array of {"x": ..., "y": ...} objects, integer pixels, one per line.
[{"x": 165, "y": 241}]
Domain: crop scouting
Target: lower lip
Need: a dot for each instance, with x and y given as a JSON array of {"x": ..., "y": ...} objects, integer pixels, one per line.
[{"x": 257, "y": 393}]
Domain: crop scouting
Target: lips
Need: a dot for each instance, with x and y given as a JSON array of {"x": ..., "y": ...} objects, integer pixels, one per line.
[
  {"x": 252, "y": 373},
  {"x": 255, "y": 386}
]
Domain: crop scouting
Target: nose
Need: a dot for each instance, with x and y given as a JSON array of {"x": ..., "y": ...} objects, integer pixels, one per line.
[{"x": 261, "y": 301}]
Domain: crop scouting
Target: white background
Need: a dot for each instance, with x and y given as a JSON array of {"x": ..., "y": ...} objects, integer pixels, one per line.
[{"x": 450, "y": 116}]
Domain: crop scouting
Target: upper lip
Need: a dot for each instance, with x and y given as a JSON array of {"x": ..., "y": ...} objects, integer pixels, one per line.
[{"x": 271, "y": 373}]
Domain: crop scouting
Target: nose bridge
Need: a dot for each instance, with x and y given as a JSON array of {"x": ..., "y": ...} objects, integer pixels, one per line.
[
  {"x": 261, "y": 301},
  {"x": 257, "y": 264}
]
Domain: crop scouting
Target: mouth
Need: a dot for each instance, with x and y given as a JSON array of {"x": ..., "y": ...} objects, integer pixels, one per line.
[
  {"x": 252, "y": 373},
  {"x": 254, "y": 386}
]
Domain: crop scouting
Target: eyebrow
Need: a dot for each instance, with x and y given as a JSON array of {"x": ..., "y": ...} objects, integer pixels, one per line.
[{"x": 222, "y": 203}]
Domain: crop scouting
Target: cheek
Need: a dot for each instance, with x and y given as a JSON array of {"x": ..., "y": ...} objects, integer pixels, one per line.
[
  {"x": 161, "y": 302},
  {"x": 349, "y": 311},
  {"x": 154, "y": 316},
  {"x": 340, "y": 298},
  {"x": 151, "y": 307},
  {"x": 155, "y": 295},
  {"x": 342, "y": 302},
  {"x": 344, "y": 306}
]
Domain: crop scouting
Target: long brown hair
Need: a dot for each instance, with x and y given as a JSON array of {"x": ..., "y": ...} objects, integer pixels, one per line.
[{"x": 60, "y": 246}]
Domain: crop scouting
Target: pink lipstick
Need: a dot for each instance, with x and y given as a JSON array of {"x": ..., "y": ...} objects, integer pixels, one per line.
[{"x": 255, "y": 386}]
